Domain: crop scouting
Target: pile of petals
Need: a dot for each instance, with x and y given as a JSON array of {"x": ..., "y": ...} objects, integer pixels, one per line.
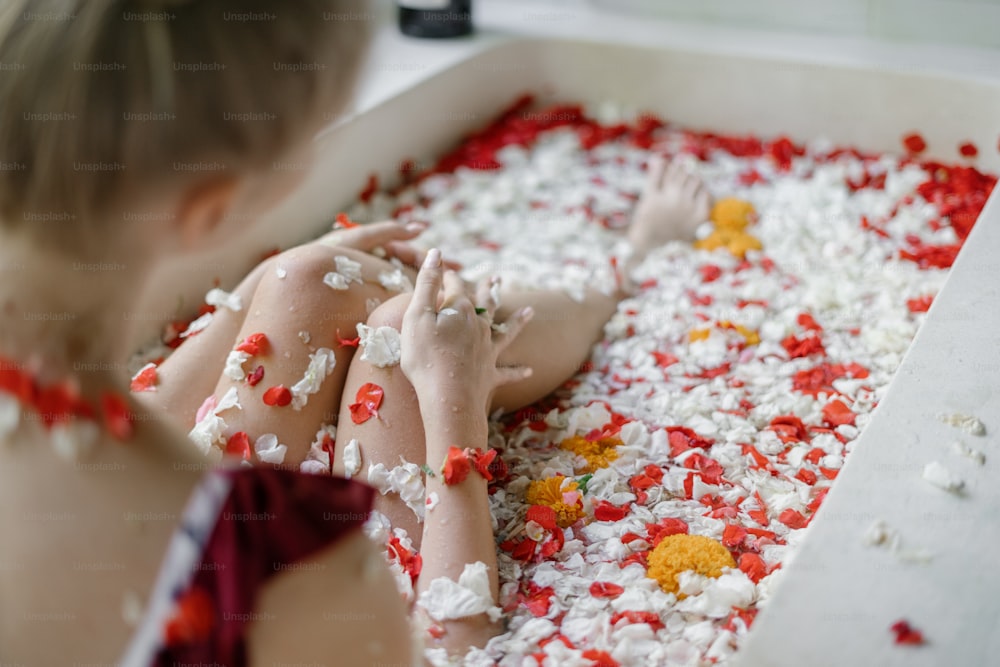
[{"x": 723, "y": 397}]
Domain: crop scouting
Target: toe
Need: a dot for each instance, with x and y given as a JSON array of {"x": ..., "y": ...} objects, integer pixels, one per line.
[
  {"x": 675, "y": 172},
  {"x": 703, "y": 203},
  {"x": 655, "y": 173}
]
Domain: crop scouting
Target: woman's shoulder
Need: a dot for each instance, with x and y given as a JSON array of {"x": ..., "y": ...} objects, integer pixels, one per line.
[{"x": 85, "y": 519}]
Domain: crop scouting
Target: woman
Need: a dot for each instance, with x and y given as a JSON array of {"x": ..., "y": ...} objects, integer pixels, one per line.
[{"x": 262, "y": 564}]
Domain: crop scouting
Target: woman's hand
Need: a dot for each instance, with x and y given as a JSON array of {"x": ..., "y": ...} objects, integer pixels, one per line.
[
  {"x": 389, "y": 235},
  {"x": 450, "y": 346}
]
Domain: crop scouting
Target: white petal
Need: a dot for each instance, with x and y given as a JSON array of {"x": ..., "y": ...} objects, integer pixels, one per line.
[
  {"x": 222, "y": 299},
  {"x": 445, "y": 599},
  {"x": 432, "y": 500},
  {"x": 378, "y": 476},
  {"x": 268, "y": 450},
  {"x": 207, "y": 432},
  {"x": 317, "y": 455},
  {"x": 395, "y": 281},
  {"x": 963, "y": 449},
  {"x": 967, "y": 423},
  {"x": 234, "y": 365},
  {"x": 336, "y": 280},
  {"x": 229, "y": 400},
  {"x": 379, "y": 347},
  {"x": 407, "y": 480},
  {"x": 321, "y": 363},
  {"x": 348, "y": 268},
  {"x": 197, "y": 325},
  {"x": 352, "y": 458},
  {"x": 939, "y": 476}
]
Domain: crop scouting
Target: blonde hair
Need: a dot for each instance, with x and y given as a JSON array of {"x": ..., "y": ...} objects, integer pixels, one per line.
[{"x": 102, "y": 101}]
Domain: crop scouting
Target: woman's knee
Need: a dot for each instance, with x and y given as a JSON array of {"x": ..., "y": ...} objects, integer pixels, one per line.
[{"x": 390, "y": 313}]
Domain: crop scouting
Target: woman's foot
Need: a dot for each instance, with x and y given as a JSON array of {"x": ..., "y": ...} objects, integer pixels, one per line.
[{"x": 673, "y": 203}]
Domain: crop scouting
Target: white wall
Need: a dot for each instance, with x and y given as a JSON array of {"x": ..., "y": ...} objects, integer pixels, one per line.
[{"x": 973, "y": 23}]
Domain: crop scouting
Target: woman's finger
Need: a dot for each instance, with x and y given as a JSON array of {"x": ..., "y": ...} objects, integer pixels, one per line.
[
  {"x": 511, "y": 328},
  {"x": 367, "y": 236},
  {"x": 509, "y": 374},
  {"x": 427, "y": 285},
  {"x": 405, "y": 253},
  {"x": 454, "y": 293},
  {"x": 486, "y": 296}
]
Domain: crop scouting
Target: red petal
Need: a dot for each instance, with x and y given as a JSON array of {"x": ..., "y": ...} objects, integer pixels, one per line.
[
  {"x": 806, "y": 475},
  {"x": 733, "y": 535},
  {"x": 482, "y": 460},
  {"x": 278, "y": 396},
  {"x": 347, "y": 342},
  {"x": 753, "y": 566},
  {"x": 371, "y": 187},
  {"x": 920, "y": 304},
  {"x": 835, "y": 413},
  {"x": 344, "y": 222},
  {"x": 968, "y": 149},
  {"x": 914, "y": 143},
  {"x": 255, "y": 376},
  {"x": 543, "y": 515},
  {"x": 605, "y": 511},
  {"x": 117, "y": 416},
  {"x": 16, "y": 381},
  {"x": 604, "y": 589},
  {"x": 664, "y": 360},
  {"x": 649, "y": 617},
  {"x": 254, "y": 344},
  {"x": 456, "y": 466},
  {"x": 793, "y": 519},
  {"x": 600, "y": 658},
  {"x": 906, "y": 634},
  {"x": 238, "y": 444},
  {"x": 193, "y": 619},
  {"x": 709, "y": 273},
  {"x": 145, "y": 379},
  {"x": 367, "y": 401}
]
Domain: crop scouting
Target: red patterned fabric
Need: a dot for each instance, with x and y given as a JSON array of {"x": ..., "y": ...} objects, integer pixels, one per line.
[{"x": 270, "y": 520}]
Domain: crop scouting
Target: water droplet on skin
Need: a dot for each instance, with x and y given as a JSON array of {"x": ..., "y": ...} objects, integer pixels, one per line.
[
  {"x": 451, "y": 374},
  {"x": 288, "y": 355},
  {"x": 428, "y": 365},
  {"x": 454, "y": 408}
]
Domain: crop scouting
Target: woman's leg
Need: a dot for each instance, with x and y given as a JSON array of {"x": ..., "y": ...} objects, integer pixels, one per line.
[
  {"x": 192, "y": 371},
  {"x": 554, "y": 344},
  {"x": 299, "y": 314}
]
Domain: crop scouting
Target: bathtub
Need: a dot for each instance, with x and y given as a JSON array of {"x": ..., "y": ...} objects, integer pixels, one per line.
[{"x": 838, "y": 597}]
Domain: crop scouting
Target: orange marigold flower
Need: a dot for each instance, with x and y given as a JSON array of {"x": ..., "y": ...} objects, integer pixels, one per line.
[
  {"x": 699, "y": 334},
  {"x": 682, "y": 552},
  {"x": 598, "y": 453},
  {"x": 560, "y": 493}
]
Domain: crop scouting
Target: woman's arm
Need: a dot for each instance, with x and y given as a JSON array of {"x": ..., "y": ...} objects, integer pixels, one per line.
[{"x": 449, "y": 354}]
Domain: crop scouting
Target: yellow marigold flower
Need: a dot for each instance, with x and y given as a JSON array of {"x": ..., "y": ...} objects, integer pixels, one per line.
[
  {"x": 683, "y": 552},
  {"x": 598, "y": 453},
  {"x": 743, "y": 242},
  {"x": 751, "y": 336},
  {"x": 730, "y": 217},
  {"x": 699, "y": 334},
  {"x": 732, "y": 213},
  {"x": 560, "y": 493}
]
